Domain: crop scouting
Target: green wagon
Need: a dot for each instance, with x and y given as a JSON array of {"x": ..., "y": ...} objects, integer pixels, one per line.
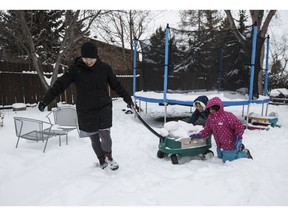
[{"x": 184, "y": 147}]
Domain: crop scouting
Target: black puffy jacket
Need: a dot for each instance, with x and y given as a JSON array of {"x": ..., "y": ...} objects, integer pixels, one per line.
[
  {"x": 93, "y": 103},
  {"x": 196, "y": 114}
]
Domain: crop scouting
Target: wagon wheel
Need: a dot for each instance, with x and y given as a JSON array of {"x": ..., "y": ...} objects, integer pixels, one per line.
[
  {"x": 161, "y": 154},
  {"x": 174, "y": 159},
  {"x": 208, "y": 155}
]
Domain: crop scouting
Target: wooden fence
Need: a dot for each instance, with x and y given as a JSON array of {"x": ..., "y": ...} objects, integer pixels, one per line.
[{"x": 26, "y": 88}]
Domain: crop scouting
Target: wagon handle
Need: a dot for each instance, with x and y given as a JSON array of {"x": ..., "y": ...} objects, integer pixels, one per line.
[{"x": 146, "y": 125}]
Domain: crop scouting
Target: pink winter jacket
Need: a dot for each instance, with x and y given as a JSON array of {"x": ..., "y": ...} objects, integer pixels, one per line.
[{"x": 224, "y": 126}]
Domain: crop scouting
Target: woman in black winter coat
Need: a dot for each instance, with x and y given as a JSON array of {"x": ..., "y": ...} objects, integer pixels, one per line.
[
  {"x": 91, "y": 77},
  {"x": 200, "y": 114}
]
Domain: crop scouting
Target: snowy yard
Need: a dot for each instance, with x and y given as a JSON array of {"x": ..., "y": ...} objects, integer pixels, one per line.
[{"x": 68, "y": 176}]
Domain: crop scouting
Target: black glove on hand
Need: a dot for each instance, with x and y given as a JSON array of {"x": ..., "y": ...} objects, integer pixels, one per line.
[
  {"x": 129, "y": 105},
  {"x": 41, "y": 106},
  {"x": 129, "y": 102}
]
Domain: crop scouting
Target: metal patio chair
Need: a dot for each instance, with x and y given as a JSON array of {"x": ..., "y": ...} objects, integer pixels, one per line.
[
  {"x": 33, "y": 129},
  {"x": 64, "y": 119}
]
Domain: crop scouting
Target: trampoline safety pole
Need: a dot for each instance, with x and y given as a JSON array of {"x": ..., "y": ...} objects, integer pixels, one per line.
[
  {"x": 134, "y": 65},
  {"x": 254, "y": 41},
  {"x": 266, "y": 74},
  {"x": 166, "y": 70}
]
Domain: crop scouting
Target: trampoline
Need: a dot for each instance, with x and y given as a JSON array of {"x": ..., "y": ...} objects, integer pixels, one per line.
[{"x": 180, "y": 63}]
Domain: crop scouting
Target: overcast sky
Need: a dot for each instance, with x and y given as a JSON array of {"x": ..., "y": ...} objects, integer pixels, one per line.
[
  {"x": 278, "y": 26},
  {"x": 170, "y": 8},
  {"x": 144, "y": 5}
]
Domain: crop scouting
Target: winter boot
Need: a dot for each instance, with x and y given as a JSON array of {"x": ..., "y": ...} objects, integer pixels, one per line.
[
  {"x": 249, "y": 156},
  {"x": 242, "y": 147},
  {"x": 103, "y": 163},
  {"x": 112, "y": 164}
]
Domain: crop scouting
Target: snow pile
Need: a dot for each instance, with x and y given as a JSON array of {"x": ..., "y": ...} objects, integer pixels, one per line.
[
  {"x": 271, "y": 115},
  {"x": 278, "y": 92},
  {"x": 18, "y": 105},
  {"x": 179, "y": 129}
]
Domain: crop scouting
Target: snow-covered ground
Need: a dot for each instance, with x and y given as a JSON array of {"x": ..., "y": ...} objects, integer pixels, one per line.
[{"x": 68, "y": 176}]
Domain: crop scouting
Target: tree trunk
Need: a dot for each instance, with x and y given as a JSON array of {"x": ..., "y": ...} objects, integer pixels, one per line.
[
  {"x": 257, "y": 16},
  {"x": 29, "y": 39}
]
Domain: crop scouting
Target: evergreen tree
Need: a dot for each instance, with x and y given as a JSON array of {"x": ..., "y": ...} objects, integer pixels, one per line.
[
  {"x": 213, "y": 19},
  {"x": 43, "y": 36},
  {"x": 157, "y": 47},
  {"x": 243, "y": 19},
  {"x": 153, "y": 54},
  {"x": 262, "y": 19},
  {"x": 46, "y": 28},
  {"x": 278, "y": 79},
  {"x": 9, "y": 47}
]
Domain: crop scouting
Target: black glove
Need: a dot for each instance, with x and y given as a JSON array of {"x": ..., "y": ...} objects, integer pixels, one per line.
[
  {"x": 41, "y": 106},
  {"x": 130, "y": 105},
  {"x": 129, "y": 102}
]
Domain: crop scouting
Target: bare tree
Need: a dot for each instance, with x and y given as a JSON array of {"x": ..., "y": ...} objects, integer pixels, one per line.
[
  {"x": 73, "y": 27},
  {"x": 120, "y": 27},
  {"x": 200, "y": 19},
  {"x": 192, "y": 18},
  {"x": 263, "y": 20},
  {"x": 279, "y": 52}
]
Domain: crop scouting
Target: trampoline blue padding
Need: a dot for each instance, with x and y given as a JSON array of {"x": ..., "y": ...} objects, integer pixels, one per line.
[
  {"x": 235, "y": 103},
  {"x": 188, "y": 99},
  {"x": 190, "y": 103},
  {"x": 261, "y": 101},
  {"x": 150, "y": 100}
]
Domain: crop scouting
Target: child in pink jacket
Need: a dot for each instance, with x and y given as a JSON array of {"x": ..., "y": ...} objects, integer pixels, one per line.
[{"x": 227, "y": 130}]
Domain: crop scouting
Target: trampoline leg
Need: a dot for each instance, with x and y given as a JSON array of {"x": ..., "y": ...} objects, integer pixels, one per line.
[
  {"x": 267, "y": 109},
  {"x": 165, "y": 112},
  {"x": 247, "y": 119}
]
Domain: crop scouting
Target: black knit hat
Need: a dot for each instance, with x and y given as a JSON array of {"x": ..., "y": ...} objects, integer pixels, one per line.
[{"x": 89, "y": 50}]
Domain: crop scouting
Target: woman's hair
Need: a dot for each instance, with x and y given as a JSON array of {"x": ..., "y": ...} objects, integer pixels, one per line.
[{"x": 215, "y": 107}]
